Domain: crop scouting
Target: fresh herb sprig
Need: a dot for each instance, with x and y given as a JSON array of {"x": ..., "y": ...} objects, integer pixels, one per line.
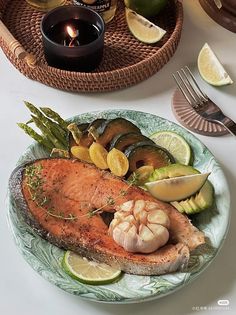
[
  {"x": 112, "y": 201},
  {"x": 35, "y": 182}
]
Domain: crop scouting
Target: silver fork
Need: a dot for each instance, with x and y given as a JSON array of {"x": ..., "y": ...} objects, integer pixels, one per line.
[{"x": 200, "y": 102}]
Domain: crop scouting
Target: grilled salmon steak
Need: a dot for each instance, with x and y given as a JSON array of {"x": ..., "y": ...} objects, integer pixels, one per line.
[{"x": 62, "y": 200}]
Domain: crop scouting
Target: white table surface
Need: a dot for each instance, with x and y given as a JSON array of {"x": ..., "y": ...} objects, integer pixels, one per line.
[{"x": 22, "y": 290}]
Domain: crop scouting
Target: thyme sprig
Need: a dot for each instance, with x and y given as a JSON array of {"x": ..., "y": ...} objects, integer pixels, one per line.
[
  {"x": 110, "y": 200},
  {"x": 35, "y": 183}
]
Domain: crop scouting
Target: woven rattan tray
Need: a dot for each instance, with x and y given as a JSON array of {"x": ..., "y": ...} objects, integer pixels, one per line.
[{"x": 126, "y": 61}]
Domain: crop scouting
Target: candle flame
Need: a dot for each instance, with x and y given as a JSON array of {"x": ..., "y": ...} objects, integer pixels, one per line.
[{"x": 71, "y": 31}]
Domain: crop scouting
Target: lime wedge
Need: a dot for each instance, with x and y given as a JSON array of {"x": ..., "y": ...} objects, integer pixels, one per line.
[
  {"x": 177, "y": 188},
  {"x": 175, "y": 144},
  {"x": 87, "y": 271},
  {"x": 211, "y": 69},
  {"x": 144, "y": 30}
]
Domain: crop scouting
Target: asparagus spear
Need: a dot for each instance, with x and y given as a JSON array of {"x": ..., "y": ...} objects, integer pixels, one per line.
[
  {"x": 55, "y": 129},
  {"x": 34, "y": 110},
  {"x": 29, "y": 122},
  {"x": 54, "y": 116},
  {"x": 29, "y": 131},
  {"x": 46, "y": 132}
]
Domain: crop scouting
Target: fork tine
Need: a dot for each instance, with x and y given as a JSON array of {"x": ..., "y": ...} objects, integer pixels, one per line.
[
  {"x": 189, "y": 89},
  {"x": 190, "y": 86},
  {"x": 183, "y": 91},
  {"x": 201, "y": 93}
]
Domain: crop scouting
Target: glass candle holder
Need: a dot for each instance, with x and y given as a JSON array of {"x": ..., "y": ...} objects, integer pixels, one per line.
[
  {"x": 45, "y": 5},
  {"x": 73, "y": 38}
]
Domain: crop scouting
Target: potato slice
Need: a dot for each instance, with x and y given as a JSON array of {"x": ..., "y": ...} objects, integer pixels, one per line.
[
  {"x": 81, "y": 153},
  {"x": 98, "y": 155},
  {"x": 117, "y": 162}
]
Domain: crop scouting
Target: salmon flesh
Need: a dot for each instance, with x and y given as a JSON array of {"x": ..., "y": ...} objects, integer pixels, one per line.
[{"x": 62, "y": 200}]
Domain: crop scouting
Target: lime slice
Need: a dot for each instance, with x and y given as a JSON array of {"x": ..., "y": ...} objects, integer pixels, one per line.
[
  {"x": 87, "y": 271},
  {"x": 175, "y": 144},
  {"x": 211, "y": 69},
  {"x": 143, "y": 29}
]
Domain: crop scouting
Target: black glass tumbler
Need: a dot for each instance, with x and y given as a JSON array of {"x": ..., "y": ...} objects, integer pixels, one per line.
[{"x": 80, "y": 53}]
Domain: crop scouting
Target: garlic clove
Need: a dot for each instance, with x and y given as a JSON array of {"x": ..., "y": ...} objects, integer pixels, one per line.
[
  {"x": 132, "y": 231},
  {"x": 139, "y": 205},
  {"x": 151, "y": 206},
  {"x": 161, "y": 234},
  {"x": 127, "y": 206},
  {"x": 113, "y": 223},
  {"x": 158, "y": 217},
  {"x": 139, "y": 211},
  {"x": 130, "y": 218},
  {"x": 124, "y": 226},
  {"x": 131, "y": 239},
  {"x": 120, "y": 215},
  {"x": 118, "y": 235},
  {"x": 145, "y": 234},
  {"x": 156, "y": 229}
]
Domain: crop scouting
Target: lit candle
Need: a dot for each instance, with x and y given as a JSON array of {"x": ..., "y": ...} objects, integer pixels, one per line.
[
  {"x": 73, "y": 38},
  {"x": 73, "y": 33}
]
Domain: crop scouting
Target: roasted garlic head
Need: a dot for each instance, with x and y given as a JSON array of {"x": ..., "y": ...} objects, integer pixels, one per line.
[{"x": 140, "y": 226}]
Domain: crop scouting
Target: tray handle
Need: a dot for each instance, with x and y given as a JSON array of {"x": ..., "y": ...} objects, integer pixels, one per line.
[{"x": 15, "y": 47}]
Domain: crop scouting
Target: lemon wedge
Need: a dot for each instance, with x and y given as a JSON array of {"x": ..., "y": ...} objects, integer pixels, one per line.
[
  {"x": 142, "y": 29},
  {"x": 177, "y": 188},
  {"x": 211, "y": 69}
]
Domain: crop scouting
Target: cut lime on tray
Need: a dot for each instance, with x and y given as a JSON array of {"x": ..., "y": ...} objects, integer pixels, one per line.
[
  {"x": 211, "y": 69},
  {"x": 175, "y": 144},
  {"x": 87, "y": 271},
  {"x": 142, "y": 29},
  {"x": 146, "y": 7}
]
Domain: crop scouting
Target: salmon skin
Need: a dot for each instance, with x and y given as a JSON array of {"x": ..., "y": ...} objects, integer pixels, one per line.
[{"x": 60, "y": 209}]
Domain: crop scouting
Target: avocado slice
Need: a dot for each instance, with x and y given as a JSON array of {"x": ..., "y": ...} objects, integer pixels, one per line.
[
  {"x": 172, "y": 170},
  {"x": 193, "y": 205},
  {"x": 205, "y": 197},
  {"x": 178, "y": 206},
  {"x": 200, "y": 201},
  {"x": 186, "y": 206}
]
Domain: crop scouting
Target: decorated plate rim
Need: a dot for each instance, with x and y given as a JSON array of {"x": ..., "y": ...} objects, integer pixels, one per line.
[{"x": 110, "y": 293}]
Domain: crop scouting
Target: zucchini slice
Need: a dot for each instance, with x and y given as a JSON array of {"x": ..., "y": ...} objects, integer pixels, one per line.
[
  {"x": 111, "y": 128},
  {"x": 91, "y": 132},
  {"x": 146, "y": 153},
  {"x": 124, "y": 140}
]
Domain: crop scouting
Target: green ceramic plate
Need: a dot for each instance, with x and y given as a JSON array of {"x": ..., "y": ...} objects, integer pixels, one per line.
[{"x": 46, "y": 258}]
